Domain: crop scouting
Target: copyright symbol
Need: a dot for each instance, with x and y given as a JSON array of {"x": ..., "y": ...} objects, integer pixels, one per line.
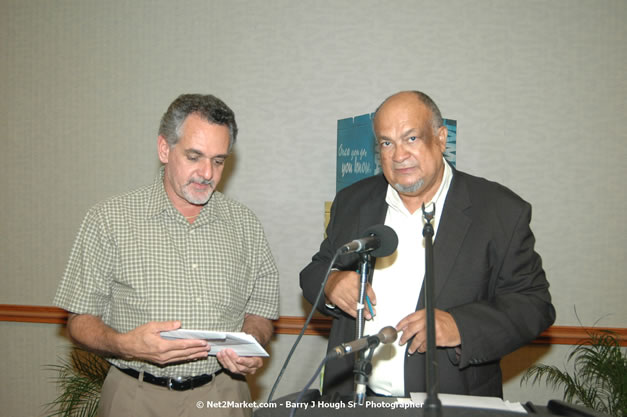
[{"x": 200, "y": 404}]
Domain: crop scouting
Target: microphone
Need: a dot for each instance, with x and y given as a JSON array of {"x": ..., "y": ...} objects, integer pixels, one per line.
[
  {"x": 386, "y": 335},
  {"x": 380, "y": 239}
]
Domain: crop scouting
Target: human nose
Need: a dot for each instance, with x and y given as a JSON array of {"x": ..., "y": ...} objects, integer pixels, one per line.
[
  {"x": 206, "y": 169},
  {"x": 400, "y": 153}
]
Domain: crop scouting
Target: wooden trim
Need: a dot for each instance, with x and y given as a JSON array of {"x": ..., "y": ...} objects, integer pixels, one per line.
[
  {"x": 554, "y": 335},
  {"x": 32, "y": 314},
  {"x": 573, "y": 335},
  {"x": 319, "y": 326}
]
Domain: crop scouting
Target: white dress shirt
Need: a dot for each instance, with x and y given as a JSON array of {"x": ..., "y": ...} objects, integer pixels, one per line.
[{"x": 397, "y": 282}]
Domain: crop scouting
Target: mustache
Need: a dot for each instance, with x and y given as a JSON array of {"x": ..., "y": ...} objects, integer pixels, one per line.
[
  {"x": 201, "y": 181},
  {"x": 402, "y": 166}
]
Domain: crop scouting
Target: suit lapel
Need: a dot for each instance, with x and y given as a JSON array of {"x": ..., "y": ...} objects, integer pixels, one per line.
[
  {"x": 374, "y": 209},
  {"x": 452, "y": 229}
]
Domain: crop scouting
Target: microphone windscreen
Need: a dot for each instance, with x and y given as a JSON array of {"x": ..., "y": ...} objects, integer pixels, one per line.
[
  {"x": 388, "y": 238},
  {"x": 388, "y": 334}
]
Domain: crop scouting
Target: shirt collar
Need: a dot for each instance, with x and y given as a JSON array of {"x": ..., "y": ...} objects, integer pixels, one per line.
[{"x": 159, "y": 201}]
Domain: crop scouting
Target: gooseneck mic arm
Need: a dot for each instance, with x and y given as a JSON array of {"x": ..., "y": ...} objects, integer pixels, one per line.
[
  {"x": 386, "y": 335},
  {"x": 379, "y": 240},
  {"x": 363, "y": 366}
]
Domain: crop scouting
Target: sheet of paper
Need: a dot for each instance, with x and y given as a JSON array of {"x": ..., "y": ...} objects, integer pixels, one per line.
[
  {"x": 243, "y": 344},
  {"x": 492, "y": 403}
]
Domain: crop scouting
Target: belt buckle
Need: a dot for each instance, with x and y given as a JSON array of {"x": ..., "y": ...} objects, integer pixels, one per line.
[{"x": 178, "y": 379}]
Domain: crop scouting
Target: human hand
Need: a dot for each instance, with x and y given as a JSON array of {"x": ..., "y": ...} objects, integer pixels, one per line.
[
  {"x": 243, "y": 365},
  {"x": 415, "y": 325},
  {"x": 145, "y": 342},
  {"x": 342, "y": 289}
]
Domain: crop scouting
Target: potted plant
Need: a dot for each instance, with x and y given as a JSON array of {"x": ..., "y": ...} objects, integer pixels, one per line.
[
  {"x": 80, "y": 380},
  {"x": 599, "y": 377}
]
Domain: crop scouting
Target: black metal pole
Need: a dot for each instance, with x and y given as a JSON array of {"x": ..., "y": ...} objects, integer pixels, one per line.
[
  {"x": 433, "y": 405},
  {"x": 361, "y": 375},
  {"x": 364, "y": 268}
]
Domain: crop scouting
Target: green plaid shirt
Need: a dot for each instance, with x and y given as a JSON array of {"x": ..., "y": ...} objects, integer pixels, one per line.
[{"x": 136, "y": 259}]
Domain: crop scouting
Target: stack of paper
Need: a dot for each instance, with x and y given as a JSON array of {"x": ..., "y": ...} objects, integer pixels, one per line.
[
  {"x": 492, "y": 403},
  {"x": 242, "y": 343}
]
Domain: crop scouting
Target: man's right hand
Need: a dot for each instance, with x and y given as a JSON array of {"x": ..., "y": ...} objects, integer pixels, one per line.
[
  {"x": 342, "y": 289},
  {"x": 142, "y": 343},
  {"x": 145, "y": 343}
]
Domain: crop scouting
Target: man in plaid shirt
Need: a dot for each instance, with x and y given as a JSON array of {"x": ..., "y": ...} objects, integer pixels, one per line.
[{"x": 174, "y": 254}]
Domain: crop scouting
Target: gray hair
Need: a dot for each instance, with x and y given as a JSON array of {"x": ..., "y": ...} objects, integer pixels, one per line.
[
  {"x": 436, "y": 119},
  {"x": 207, "y": 106}
]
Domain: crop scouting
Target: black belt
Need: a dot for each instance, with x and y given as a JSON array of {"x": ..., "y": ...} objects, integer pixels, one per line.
[{"x": 177, "y": 384}]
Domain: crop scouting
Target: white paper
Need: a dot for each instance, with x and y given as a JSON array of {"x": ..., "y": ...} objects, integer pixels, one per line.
[
  {"x": 492, "y": 403},
  {"x": 243, "y": 344}
]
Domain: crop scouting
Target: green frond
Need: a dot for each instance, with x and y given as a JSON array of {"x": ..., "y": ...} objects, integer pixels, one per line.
[
  {"x": 80, "y": 380},
  {"x": 599, "y": 380},
  {"x": 554, "y": 376}
]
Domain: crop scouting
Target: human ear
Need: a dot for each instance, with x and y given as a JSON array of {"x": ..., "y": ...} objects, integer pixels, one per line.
[{"x": 163, "y": 149}]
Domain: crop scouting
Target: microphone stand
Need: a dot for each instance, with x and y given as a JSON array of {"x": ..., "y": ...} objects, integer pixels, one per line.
[
  {"x": 363, "y": 280},
  {"x": 433, "y": 405},
  {"x": 362, "y": 364}
]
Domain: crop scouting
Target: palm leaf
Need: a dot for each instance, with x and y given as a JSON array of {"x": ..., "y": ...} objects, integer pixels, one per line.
[
  {"x": 599, "y": 379},
  {"x": 80, "y": 380}
]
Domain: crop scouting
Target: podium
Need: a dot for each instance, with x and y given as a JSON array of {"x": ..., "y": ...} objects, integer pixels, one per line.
[{"x": 315, "y": 405}]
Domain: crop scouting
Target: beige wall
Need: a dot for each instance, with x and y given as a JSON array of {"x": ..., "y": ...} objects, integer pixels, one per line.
[{"x": 538, "y": 89}]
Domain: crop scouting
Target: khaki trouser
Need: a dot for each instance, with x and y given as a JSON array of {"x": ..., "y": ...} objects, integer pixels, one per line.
[{"x": 125, "y": 396}]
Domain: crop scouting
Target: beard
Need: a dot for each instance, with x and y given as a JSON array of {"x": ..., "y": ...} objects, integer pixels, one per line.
[
  {"x": 198, "y": 198},
  {"x": 408, "y": 189}
]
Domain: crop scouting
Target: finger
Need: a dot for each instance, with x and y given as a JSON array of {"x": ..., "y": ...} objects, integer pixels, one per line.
[
  {"x": 348, "y": 306},
  {"x": 244, "y": 365},
  {"x": 247, "y": 360},
  {"x": 183, "y": 344},
  {"x": 415, "y": 336},
  {"x": 369, "y": 308},
  {"x": 406, "y": 321},
  {"x": 353, "y": 300},
  {"x": 371, "y": 294},
  {"x": 413, "y": 327},
  {"x": 401, "y": 325},
  {"x": 182, "y": 355},
  {"x": 249, "y": 365},
  {"x": 406, "y": 335},
  {"x": 417, "y": 345},
  {"x": 231, "y": 354},
  {"x": 342, "y": 289},
  {"x": 226, "y": 361},
  {"x": 254, "y": 362},
  {"x": 232, "y": 359},
  {"x": 416, "y": 317}
]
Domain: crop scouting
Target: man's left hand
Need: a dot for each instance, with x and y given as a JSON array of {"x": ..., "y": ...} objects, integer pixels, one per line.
[
  {"x": 242, "y": 365},
  {"x": 415, "y": 325}
]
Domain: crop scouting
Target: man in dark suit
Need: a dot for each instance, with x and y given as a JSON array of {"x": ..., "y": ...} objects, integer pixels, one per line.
[{"x": 491, "y": 293}]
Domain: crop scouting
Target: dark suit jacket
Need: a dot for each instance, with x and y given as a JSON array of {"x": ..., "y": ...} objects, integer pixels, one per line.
[{"x": 487, "y": 276}]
